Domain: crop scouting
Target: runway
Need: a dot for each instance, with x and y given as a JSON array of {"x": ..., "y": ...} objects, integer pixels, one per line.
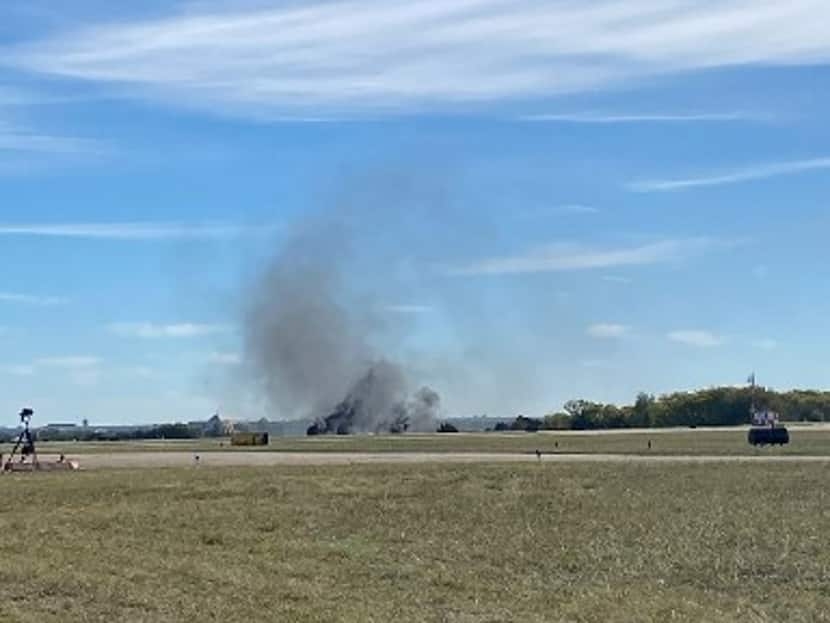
[{"x": 145, "y": 460}]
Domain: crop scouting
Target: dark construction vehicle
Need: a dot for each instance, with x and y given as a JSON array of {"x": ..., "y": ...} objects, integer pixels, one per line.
[
  {"x": 772, "y": 435},
  {"x": 765, "y": 430}
]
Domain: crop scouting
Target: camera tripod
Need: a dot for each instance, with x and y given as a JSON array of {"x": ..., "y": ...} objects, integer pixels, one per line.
[{"x": 25, "y": 442}]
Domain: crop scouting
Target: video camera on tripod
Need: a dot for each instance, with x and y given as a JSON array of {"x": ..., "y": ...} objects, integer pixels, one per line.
[
  {"x": 28, "y": 459},
  {"x": 28, "y": 442},
  {"x": 25, "y": 442}
]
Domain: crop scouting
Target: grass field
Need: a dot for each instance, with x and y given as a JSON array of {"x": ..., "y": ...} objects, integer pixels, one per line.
[
  {"x": 804, "y": 441},
  {"x": 471, "y": 543}
]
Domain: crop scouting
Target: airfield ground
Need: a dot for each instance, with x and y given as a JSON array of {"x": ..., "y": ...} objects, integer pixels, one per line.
[
  {"x": 706, "y": 535},
  {"x": 806, "y": 440},
  {"x": 150, "y": 459}
]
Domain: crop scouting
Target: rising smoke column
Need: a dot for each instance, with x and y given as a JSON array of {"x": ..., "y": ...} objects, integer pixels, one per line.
[{"x": 308, "y": 338}]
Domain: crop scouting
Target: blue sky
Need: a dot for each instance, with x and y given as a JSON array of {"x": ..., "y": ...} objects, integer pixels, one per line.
[{"x": 550, "y": 200}]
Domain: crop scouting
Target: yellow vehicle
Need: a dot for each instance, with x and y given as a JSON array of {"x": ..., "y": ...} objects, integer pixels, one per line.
[{"x": 249, "y": 439}]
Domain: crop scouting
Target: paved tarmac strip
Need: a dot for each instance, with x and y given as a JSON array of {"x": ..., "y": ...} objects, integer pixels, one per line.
[{"x": 144, "y": 460}]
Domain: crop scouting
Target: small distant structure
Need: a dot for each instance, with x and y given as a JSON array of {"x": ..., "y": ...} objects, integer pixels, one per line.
[
  {"x": 765, "y": 429},
  {"x": 249, "y": 439}
]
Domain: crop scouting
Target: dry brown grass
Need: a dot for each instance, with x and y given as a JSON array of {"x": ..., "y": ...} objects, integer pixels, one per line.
[{"x": 546, "y": 542}]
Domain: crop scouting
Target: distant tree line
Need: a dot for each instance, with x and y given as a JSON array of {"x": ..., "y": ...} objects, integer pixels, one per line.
[
  {"x": 213, "y": 427},
  {"x": 718, "y": 406},
  {"x": 159, "y": 431}
]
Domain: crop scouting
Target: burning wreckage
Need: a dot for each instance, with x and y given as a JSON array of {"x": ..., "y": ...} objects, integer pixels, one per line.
[{"x": 377, "y": 404}]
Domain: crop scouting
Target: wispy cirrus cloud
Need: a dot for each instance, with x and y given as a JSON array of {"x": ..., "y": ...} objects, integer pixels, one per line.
[
  {"x": 408, "y": 308},
  {"x": 31, "y": 299},
  {"x": 149, "y": 330},
  {"x": 134, "y": 231},
  {"x": 70, "y": 362},
  {"x": 80, "y": 370},
  {"x": 600, "y": 118},
  {"x": 616, "y": 279},
  {"x": 606, "y": 330},
  {"x": 696, "y": 337},
  {"x": 757, "y": 172},
  {"x": 765, "y": 343},
  {"x": 575, "y": 208},
  {"x": 599, "y": 364},
  {"x": 569, "y": 257},
  {"x": 24, "y": 151},
  {"x": 225, "y": 359},
  {"x": 19, "y": 369},
  {"x": 393, "y": 55},
  {"x": 20, "y": 141}
]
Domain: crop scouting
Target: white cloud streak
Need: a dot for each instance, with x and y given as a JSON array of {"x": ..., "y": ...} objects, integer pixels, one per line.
[
  {"x": 47, "y": 144},
  {"x": 575, "y": 208},
  {"x": 616, "y": 279},
  {"x": 408, "y": 309},
  {"x": 747, "y": 174},
  {"x": 607, "y": 330},
  {"x": 133, "y": 231},
  {"x": 600, "y": 364},
  {"x": 148, "y": 330},
  {"x": 570, "y": 257},
  {"x": 19, "y": 370},
  {"x": 20, "y": 140},
  {"x": 765, "y": 344},
  {"x": 140, "y": 371},
  {"x": 590, "y": 118},
  {"x": 696, "y": 338},
  {"x": 376, "y": 55},
  {"x": 81, "y": 370},
  {"x": 225, "y": 359},
  {"x": 31, "y": 299},
  {"x": 73, "y": 362},
  {"x": 85, "y": 377}
]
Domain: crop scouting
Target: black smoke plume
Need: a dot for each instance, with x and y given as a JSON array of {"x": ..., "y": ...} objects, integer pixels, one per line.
[
  {"x": 377, "y": 403},
  {"x": 310, "y": 336}
]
